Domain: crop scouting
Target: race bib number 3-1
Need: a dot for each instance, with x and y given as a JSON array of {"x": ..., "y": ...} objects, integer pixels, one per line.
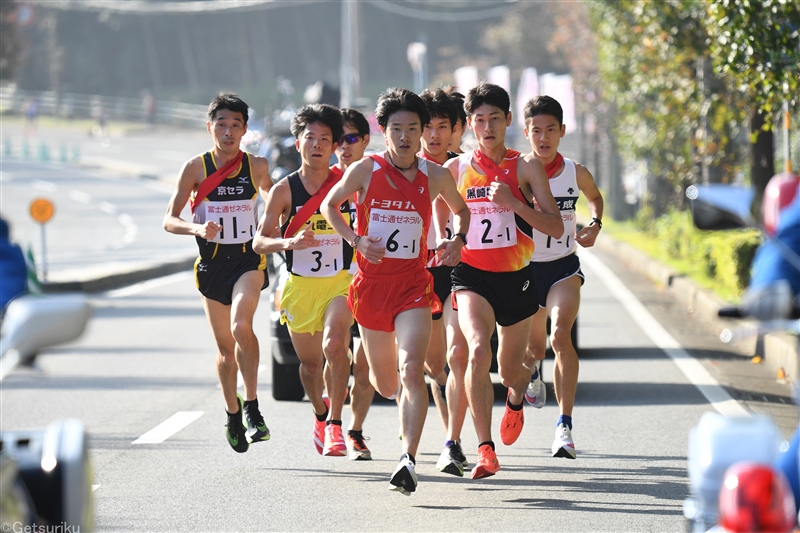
[
  {"x": 237, "y": 218},
  {"x": 491, "y": 226},
  {"x": 401, "y": 232},
  {"x": 321, "y": 261}
]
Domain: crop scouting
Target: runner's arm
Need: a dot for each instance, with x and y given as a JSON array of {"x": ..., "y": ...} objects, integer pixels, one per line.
[
  {"x": 277, "y": 210},
  {"x": 587, "y": 236},
  {"x": 450, "y": 250},
  {"x": 261, "y": 178},
  {"x": 190, "y": 177},
  {"x": 533, "y": 182}
]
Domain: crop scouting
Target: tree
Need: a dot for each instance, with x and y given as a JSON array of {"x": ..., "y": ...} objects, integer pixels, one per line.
[{"x": 10, "y": 46}]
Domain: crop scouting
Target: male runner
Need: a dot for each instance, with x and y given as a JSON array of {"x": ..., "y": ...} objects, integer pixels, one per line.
[
  {"x": 557, "y": 270},
  {"x": 392, "y": 293},
  {"x": 223, "y": 186},
  {"x": 461, "y": 124},
  {"x": 314, "y": 299},
  {"x": 493, "y": 283},
  {"x": 435, "y": 142},
  {"x": 351, "y": 149}
]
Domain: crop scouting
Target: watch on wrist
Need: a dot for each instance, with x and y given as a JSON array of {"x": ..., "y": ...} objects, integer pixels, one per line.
[{"x": 463, "y": 237}]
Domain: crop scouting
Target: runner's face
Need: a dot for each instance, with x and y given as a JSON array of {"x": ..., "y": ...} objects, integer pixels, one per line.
[
  {"x": 455, "y": 139},
  {"x": 315, "y": 145},
  {"x": 436, "y": 137},
  {"x": 350, "y": 153},
  {"x": 489, "y": 124},
  {"x": 403, "y": 133},
  {"x": 227, "y": 129},
  {"x": 544, "y": 134}
]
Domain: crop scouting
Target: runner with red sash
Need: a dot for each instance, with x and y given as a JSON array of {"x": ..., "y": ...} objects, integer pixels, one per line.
[
  {"x": 313, "y": 303},
  {"x": 392, "y": 293},
  {"x": 223, "y": 186}
]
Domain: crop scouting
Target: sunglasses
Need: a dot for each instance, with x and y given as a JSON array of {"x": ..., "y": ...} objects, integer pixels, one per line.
[{"x": 352, "y": 138}]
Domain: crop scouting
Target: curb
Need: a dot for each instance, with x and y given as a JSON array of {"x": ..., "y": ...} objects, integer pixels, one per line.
[
  {"x": 118, "y": 280},
  {"x": 779, "y": 350}
]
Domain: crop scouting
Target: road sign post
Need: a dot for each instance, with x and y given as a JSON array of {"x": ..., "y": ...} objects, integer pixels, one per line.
[{"x": 42, "y": 211}]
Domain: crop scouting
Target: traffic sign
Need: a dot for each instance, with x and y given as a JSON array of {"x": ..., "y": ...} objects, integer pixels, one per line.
[{"x": 42, "y": 210}]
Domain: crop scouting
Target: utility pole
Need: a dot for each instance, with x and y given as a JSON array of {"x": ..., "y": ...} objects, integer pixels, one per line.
[
  {"x": 349, "y": 67},
  {"x": 787, "y": 124}
]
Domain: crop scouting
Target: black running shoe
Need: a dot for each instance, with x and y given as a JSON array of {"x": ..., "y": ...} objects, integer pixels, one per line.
[
  {"x": 404, "y": 478},
  {"x": 235, "y": 432},
  {"x": 256, "y": 427},
  {"x": 452, "y": 460}
]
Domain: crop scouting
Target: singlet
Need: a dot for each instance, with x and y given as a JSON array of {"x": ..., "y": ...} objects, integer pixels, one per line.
[
  {"x": 498, "y": 239},
  {"x": 387, "y": 213},
  {"x": 233, "y": 204},
  {"x": 332, "y": 255},
  {"x": 433, "y": 260},
  {"x": 565, "y": 190}
]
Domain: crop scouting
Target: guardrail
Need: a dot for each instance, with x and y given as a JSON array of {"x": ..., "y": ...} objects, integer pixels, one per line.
[{"x": 69, "y": 105}]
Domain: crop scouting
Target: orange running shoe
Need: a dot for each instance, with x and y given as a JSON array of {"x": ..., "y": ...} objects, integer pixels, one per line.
[
  {"x": 487, "y": 464},
  {"x": 319, "y": 428},
  {"x": 511, "y": 425},
  {"x": 334, "y": 441}
]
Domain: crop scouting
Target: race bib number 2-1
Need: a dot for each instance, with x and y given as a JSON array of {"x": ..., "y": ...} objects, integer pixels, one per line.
[
  {"x": 401, "y": 232},
  {"x": 491, "y": 226}
]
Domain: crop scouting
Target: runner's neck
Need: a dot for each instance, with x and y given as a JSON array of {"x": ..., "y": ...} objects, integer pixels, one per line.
[
  {"x": 312, "y": 179},
  {"x": 223, "y": 157},
  {"x": 441, "y": 160},
  {"x": 496, "y": 154}
]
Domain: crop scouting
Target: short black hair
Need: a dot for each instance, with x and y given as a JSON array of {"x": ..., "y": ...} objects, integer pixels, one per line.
[
  {"x": 396, "y": 99},
  {"x": 487, "y": 93},
  {"x": 355, "y": 118},
  {"x": 544, "y": 105},
  {"x": 458, "y": 100},
  {"x": 439, "y": 105},
  {"x": 229, "y": 101},
  {"x": 325, "y": 114}
]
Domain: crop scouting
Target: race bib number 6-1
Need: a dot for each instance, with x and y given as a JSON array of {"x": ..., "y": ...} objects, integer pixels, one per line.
[
  {"x": 401, "y": 232},
  {"x": 491, "y": 226},
  {"x": 237, "y": 218}
]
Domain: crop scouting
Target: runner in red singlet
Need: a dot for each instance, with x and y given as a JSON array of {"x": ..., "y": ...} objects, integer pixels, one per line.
[{"x": 392, "y": 293}]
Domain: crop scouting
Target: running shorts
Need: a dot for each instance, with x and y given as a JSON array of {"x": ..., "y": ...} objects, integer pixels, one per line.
[
  {"x": 512, "y": 295},
  {"x": 376, "y": 300},
  {"x": 442, "y": 285},
  {"x": 305, "y": 300},
  {"x": 215, "y": 279},
  {"x": 548, "y": 273}
]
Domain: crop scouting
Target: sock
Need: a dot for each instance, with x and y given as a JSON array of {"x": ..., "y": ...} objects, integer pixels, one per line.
[
  {"x": 535, "y": 374},
  {"x": 354, "y": 433},
  {"x": 334, "y": 422},
  {"x": 512, "y": 406},
  {"x": 249, "y": 405},
  {"x": 490, "y": 443},
  {"x": 564, "y": 419},
  {"x": 410, "y": 457},
  {"x": 323, "y": 416},
  {"x": 449, "y": 443}
]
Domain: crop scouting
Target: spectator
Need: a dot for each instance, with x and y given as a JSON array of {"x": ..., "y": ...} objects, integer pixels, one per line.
[{"x": 13, "y": 270}]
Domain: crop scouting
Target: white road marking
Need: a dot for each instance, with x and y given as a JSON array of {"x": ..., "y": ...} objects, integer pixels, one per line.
[
  {"x": 693, "y": 369},
  {"x": 148, "y": 285},
  {"x": 106, "y": 207},
  {"x": 95, "y": 487},
  {"x": 169, "y": 427},
  {"x": 131, "y": 230},
  {"x": 47, "y": 186},
  {"x": 81, "y": 197}
]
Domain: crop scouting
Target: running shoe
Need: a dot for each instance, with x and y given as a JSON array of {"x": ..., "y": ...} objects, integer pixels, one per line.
[
  {"x": 235, "y": 432},
  {"x": 334, "y": 442},
  {"x": 404, "y": 478},
  {"x": 487, "y": 464},
  {"x": 563, "y": 445},
  {"x": 319, "y": 428},
  {"x": 452, "y": 460},
  {"x": 536, "y": 393},
  {"x": 257, "y": 429},
  {"x": 358, "y": 448},
  {"x": 511, "y": 424}
]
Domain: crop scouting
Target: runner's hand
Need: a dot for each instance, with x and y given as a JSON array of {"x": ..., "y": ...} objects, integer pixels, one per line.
[
  {"x": 501, "y": 194},
  {"x": 371, "y": 249},
  {"x": 209, "y": 230},
  {"x": 302, "y": 240},
  {"x": 449, "y": 252},
  {"x": 588, "y": 235}
]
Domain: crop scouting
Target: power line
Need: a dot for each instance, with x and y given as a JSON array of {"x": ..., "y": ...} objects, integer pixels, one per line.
[
  {"x": 141, "y": 6},
  {"x": 444, "y": 16}
]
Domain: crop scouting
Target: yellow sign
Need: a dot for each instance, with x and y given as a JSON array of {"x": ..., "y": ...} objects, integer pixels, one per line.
[{"x": 42, "y": 210}]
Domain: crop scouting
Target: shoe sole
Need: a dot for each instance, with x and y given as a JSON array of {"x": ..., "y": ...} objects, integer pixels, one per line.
[
  {"x": 265, "y": 438},
  {"x": 480, "y": 472},
  {"x": 402, "y": 482},
  {"x": 453, "y": 469},
  {"x": 563, "y": 452},
  {"x": 333, "y": 452},
  {"x": 360, "y": 456},
  {"x": 534, "y": 403}
]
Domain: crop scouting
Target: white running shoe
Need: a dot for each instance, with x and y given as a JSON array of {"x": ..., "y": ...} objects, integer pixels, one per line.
[
  {"x": 404, "y": 478},
  {"x": 563, "y": 445},
  {"x": 536, "y": 393}
]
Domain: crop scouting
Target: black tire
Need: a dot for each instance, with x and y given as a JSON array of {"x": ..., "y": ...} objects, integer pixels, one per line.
[{"x": 286, "y": 384}]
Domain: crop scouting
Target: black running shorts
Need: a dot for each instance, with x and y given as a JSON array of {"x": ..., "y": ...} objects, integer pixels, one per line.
[
  {"x": 215, "y": 279},
  {"x": 512, "y": 295},
  {"x": 442, "y": 285},
  {"x": 548, "y": 273}
]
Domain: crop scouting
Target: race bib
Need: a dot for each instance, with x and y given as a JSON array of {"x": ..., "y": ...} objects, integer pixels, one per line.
[
  {"x": 401, "y": 232},
  {"x": 491, "y": 226},
  {"x": 432, "y": 244},
  {"x": 238, "y": 219},
  {"x": 326, "y": 258}
]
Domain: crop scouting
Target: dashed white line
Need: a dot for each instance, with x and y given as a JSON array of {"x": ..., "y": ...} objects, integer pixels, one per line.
[
  {"x": 106, "y": 207},
  {"x": 147, "y": 285},
  {"x": 131, "y": 230},
  {"x": 169, "y": 427},
  {"x": 80, "y": 196},
  {"x": 47, "y": 186},
  {"x": 693, "y": 369}
]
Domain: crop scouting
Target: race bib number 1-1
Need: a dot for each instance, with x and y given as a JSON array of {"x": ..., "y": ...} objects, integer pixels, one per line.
[
  {"x": 491, "y": 226},
  {"x": 401, "y": 232},
  {"x": 237, "y": 218}
]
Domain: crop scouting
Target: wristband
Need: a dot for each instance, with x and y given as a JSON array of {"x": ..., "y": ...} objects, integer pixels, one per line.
[
  {"x": 355, "y": 242},
  {"x": 597, "y": 221}
]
